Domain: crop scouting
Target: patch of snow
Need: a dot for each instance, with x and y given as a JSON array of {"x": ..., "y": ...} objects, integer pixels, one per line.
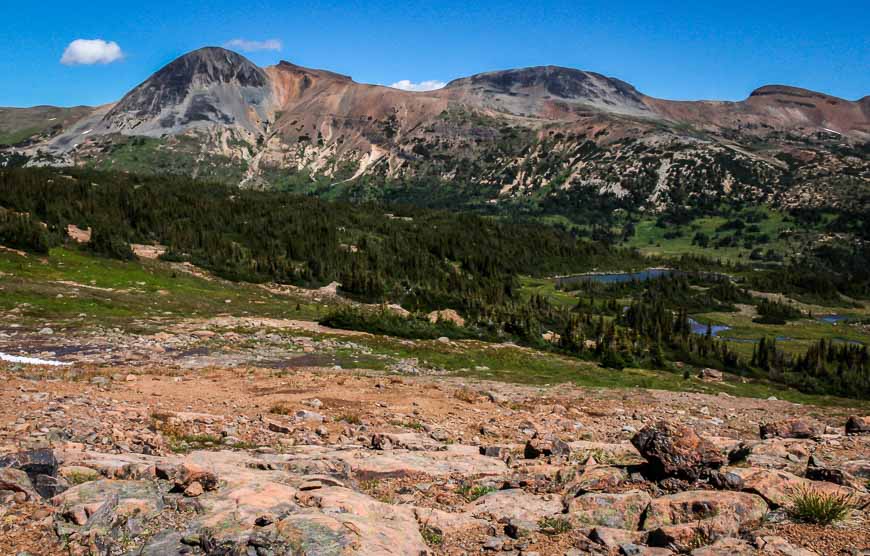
[
  {"x": 31, "y": 360},
  {"x": 86, "y": 132},
  {"x": 831, "y": 131}
]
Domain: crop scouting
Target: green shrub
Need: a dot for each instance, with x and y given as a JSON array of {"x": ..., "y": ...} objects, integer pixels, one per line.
[
  {"x": 431, "y": 535},
  {"x": 472, "y": 493},
  {"x": 110, "y": 244}
]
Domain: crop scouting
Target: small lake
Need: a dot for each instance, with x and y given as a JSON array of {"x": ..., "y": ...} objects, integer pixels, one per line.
[
  {"x": 701, "y": 328},
  {"x": 615, "y": 277},
  {"x": 636, "y": 276},
  {"x": 832, "y": 319}
]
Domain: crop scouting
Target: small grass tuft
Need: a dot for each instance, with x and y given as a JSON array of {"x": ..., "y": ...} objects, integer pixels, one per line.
[
  {"x": 281, "y": 408},
  {"x": 813, "y": 506},
  {"x": 554, "y": 525},
  {"x": 466, "y": 395},
  {"x": 472, "y": 493},
  {"x": 350, "y": 419},
  {"x": 431, "y": 535}
]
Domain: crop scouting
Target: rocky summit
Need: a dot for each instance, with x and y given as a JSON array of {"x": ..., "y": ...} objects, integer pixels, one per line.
[
  {"x": 184, "y": 441},
  {"x": 544, "y": 132}
]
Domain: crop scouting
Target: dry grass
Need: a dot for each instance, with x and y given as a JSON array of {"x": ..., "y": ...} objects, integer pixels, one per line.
[{"x": 466, "y": 395}]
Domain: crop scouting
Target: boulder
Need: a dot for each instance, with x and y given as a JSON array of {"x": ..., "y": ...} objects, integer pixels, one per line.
[
  {"x": 710, "y": 375},
  {"x": 778, "y": 487},
  {"x": 500, "y": 452},
  {"x": 446, "y": 315},
  {"x": 858, "y": 425},
  {"x": 674, "y": 450},
  {"x": 859, "y": 468},
  {"x": 832, "y": 475},
  {"x": 548, "y": 446},
  {"x": 16, "y": 480},
  {"x": 32, "y": 462},
  {"x": 597, "y": 478},
  {"x": 620, "y": 510},
  {"x": 185, "y": 474},
  {"x": 791, "y": 428},
  {"x": 725, "y": 480}
]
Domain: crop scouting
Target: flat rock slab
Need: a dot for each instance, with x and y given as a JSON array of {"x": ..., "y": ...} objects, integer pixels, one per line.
[
  {"x": 515, "y": 504},
  {"x": 721, "y": 512},
  {"x": 465, "y": 460},
  {"x": 622, "y": 454}
]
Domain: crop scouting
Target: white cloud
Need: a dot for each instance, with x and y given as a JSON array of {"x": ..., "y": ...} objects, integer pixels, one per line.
[
  {"x": 408, "y": 85},
  {"x": 252, "y": 46},
  {"x": 85, "y": 52}
]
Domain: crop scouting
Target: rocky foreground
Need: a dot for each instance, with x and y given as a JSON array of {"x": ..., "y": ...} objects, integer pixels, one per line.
[{"x": 159, "y": 459}]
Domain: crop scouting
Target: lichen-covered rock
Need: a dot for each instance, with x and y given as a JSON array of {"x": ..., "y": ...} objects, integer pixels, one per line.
[
  {"x": 103, "y": 513},
  {"x": 597, "y": 478},
  {"x": 353, "y": 523},
  {"x": 674, "y": 450},
  {"x": 619, "y": 510},
  {"x": 16, "y": 480},
  {"x": 790, "y": 454},
  {"x": 724, "y": 512},
  {"x": 778, "y": 487},
  {"x": 622, "y": 454}
]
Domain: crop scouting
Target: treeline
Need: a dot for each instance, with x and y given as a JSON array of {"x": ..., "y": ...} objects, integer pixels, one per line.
[{"x": 827, "y": 367}]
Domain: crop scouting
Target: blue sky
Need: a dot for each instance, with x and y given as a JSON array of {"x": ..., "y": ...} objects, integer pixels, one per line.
[{"x": 678, "y": 50}]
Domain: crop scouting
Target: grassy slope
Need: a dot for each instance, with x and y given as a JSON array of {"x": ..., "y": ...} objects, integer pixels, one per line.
[
  {"x": 131, "y": 291},
  {"x": 109, "y": 289},
  {"x": 18, "y": 124},
  {"x": 650, "y": 240}
]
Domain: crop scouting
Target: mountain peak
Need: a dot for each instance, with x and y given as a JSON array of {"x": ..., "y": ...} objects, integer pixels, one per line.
[{"x": 210, "y": 84}]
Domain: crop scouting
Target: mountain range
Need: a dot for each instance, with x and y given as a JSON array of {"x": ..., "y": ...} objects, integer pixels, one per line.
[{"x": 534, "y": 133}]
